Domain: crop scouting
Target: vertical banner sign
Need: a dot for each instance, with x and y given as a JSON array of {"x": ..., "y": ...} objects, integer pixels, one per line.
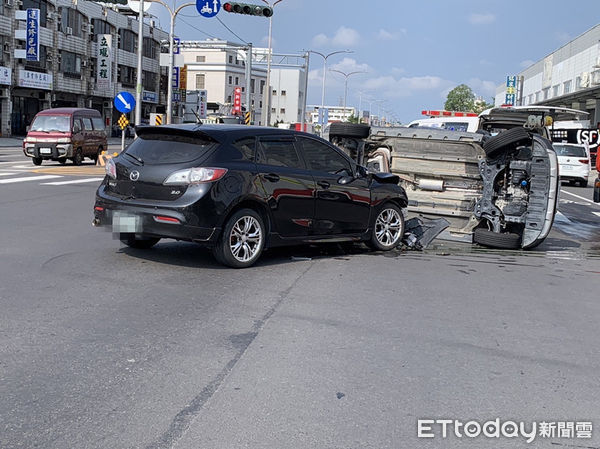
[
  {"x": 237, "y": 101},
  {"x": 175, "y": 78},
  {"x": 103, "y": 70},
  {"x": 511, "y": 90},
  {"x": 176, "y": 42},
  {"x": 202, "y": 103},
  {"x": 183, "y": 78},
  {"x": 32, "y": 49}
]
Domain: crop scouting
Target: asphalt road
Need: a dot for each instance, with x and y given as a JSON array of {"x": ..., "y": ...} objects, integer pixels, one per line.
[{"x": 102, "y": 346}]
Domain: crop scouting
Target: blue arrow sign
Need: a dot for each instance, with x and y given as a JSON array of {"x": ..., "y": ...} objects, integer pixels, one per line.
[
  {"x": 124, "y": 102},
  {"x": 208, "y": 8}
]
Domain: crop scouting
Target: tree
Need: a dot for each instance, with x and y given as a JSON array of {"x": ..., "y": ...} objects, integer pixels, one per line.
[
  {"x": 461, "y": 98},
  {"x": 480, "y": 105},
  {"x": 353, "y": 119}
]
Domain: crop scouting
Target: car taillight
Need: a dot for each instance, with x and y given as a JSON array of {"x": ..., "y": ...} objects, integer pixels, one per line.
[
  {"x": 196, "y": 175},
  {"x": 111, "y": 168},
  {"x": 584, "y": 161}
]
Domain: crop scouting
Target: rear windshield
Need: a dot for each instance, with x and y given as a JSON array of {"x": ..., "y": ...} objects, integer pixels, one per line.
[
  {"x": 51, "y": 123},
  {"x": 168, "y": 149},
  {"x": 569, "y": 150}
]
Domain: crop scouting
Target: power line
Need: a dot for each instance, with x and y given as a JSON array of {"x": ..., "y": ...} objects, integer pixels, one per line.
[
  {"x": 198, "y": 29},
  {"x": 221, "y": 22}
]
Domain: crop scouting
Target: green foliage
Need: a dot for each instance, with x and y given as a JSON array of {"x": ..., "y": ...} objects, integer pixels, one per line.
[
  {"x": 461, "y": 98},
  {"x": 353, "y": 119}
]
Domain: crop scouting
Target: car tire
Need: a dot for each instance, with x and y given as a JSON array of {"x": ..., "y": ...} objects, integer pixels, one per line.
[
  {"x": 232, "y": 248},
  {"x": 494, "y": 146},
  {"x": 97, "y": 156},
  {"x": 349, "y": 130},
  {"x": 388, "y": 228},
  {"x": 504, "y": 240},
  {"x": 37, "y": 160},
  {"x": 77, "y": 157},
  {"x": 583, "y": 183},
  {"x": 62, "y": 160},
  {"x": 139, "y": 243}
]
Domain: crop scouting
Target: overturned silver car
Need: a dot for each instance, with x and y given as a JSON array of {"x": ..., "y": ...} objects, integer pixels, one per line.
[{"x": 497, "y": 187}]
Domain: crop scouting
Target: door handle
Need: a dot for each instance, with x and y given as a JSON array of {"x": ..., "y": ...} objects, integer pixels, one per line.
[
  {"x": 324, "y": 184},
  {"x": 271, "y": 177}
]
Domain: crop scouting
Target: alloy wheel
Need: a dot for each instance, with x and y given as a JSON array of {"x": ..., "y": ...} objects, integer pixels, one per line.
[
  {"x": 245, "y": 239},
  {"x": 388, "y": 227}
]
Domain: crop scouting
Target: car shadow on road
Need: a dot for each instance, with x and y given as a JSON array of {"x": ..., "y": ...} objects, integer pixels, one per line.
[{"x": 190, "y": 255}]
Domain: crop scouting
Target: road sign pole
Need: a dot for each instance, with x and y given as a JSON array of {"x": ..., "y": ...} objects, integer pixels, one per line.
[{"x": 122, "y": 140}]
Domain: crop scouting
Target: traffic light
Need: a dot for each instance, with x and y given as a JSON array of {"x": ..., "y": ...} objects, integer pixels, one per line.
[{"x": 244, "y": 8}]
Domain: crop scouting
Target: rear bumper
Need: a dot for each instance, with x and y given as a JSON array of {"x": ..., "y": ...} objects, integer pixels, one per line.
[{"x": 163, "y": 222}]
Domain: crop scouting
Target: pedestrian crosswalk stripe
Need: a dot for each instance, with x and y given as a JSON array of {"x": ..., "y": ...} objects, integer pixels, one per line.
[
  {"x": 75, "y": 181},
  {"x": 7, "y": 174},
  {"x": 28, "y": 178}
]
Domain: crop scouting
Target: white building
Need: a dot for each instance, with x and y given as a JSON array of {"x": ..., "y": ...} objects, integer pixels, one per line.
[
  {"x": 287, "y": 96},
  {"x": 65, "y": 74},
  {"x": 335, "y": 113},
  {"x": 219, "y": 67},
  {"x": 568, "y": 77}
]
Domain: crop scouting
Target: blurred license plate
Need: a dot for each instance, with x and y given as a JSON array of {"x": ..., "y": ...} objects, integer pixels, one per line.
[
  {"x": 126, "y": 223},
  {"x": 45, "y": 150}
]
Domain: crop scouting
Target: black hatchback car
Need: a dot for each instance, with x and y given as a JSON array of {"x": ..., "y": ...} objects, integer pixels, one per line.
[{"x": 240, "y": 189}]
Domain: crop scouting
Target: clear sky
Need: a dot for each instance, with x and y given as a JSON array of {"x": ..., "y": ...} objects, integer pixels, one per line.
[{"x": 413, "y": 52}]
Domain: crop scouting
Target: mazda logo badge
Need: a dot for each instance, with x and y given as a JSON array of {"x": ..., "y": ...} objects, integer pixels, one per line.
[{"x": 134, "y": 175}]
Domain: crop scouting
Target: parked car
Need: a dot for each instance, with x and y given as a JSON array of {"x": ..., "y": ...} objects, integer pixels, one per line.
[
  {"x": 574, "y": 163},
  {"x": 240, "y": 189},
  {"x": 497, "y": 187},
  {"x": 65, "y": 133}
]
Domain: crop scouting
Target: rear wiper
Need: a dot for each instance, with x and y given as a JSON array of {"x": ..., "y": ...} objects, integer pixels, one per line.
[{"x": 137, "y": 158}]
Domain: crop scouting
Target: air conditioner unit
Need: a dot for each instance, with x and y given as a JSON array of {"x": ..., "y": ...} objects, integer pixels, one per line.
[
  {"x": 91, "y": 28},
  {"x": 85, "y": 27},
  {"x": 50, "y": 16},
  {"x": 84, "y": 63},
  {"x": 18, "y": 3},
  {"x": 3, "y": 93},
  {"x": 69, "y": 31},
  {"x": 8, "y": 3},
  {"x": 585, "y": 79},
  {"x": 6, "y": 47},
  {"x": 595, "y": 77},
  {"x": 152, "y": 23}
]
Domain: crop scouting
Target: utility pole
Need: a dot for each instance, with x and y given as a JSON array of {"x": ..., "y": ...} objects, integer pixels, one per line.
[
  {"x": 138, "y": 88},
  {"x": 249, "y": 107}
]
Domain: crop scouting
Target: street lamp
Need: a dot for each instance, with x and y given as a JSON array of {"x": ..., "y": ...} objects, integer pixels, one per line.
[
  {"x": 325, "y": 57},
  {"x": 267, "y": 94},
  {"x": 347, "y": 75},
  {"x": 171, "y": 55}
]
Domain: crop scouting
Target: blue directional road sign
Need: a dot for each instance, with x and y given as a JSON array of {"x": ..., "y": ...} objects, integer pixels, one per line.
[
  {"x": 124, "y": 102},
  {"x": 208, "y": 8}
]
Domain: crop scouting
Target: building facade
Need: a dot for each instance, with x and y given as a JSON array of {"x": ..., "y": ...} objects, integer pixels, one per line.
[
  {"x": 568, "y": 77},
  {"x": 287, "y": 95},
  {"x": 219, "y": 66},
  {"x": 67, "y": 70},
  {"x": 335, "y": 113}
]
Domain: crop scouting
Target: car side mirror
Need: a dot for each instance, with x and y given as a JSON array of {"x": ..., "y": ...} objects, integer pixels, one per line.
[{"x": 345, "y": 180}]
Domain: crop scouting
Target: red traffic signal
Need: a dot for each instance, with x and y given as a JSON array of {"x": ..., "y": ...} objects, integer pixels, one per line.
[{"x": 245, "y": 8}]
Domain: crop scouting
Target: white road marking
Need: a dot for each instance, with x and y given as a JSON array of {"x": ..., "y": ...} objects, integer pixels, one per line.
[
  {"x": 75, "y": 181},
  {"x": 581, "y": 198},
  {"x": 7, "y": 174},
  {"x": 596, "y": 214},
  {"x": 28, "y": 178}
]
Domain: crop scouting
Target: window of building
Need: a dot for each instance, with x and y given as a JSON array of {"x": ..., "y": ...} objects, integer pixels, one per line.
[
  {"x": 538, "y": 96},
  {"x": 229, "y": 99},
  {"x": 237, "y": 80},
  {"x": 127, "y": 75},
  {"x": 70, "y": 64},
  {"x": 200, "y": 58},
  {"x": 556, "y": 90},
  {"x": 150, "y": 48},
  {"x": 282, "y": 111},
  {"x": 230, "y": 80},
  {"x": 567, "y": 87},
  {"x": 260, "y": 104},
  {"x": 578, "y": 83},
  {"x": 42, "y": 5},
  {"x": 101, "y": 27},
  {"x": 149, "y": 80},
  {"x": 273, "y": 110},
  {"x": 262, "y": 86},
  {"x": 530, "y": 98},
  {"x": 127, "y": 40},
  {"x": 274, "y": 92},
  {"x": 252, "y": 86},
  {"x": 546, "y": 93},
  {"x": 230, "y": 59},
  {"x": 283, "y": 93},
  {"x": 200, "y": 81},
  {"x": 71, "y": 21}
]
